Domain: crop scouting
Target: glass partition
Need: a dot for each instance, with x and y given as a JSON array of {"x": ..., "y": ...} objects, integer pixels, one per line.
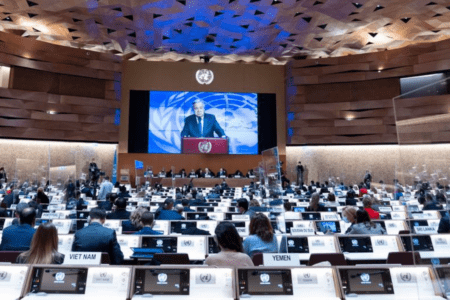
[
  {"x": 272, "y": 170},
  {"x": 422, "y": 168}
]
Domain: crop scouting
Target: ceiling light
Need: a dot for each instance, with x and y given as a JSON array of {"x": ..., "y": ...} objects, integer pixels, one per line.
[
  {"x": 51, "y": 112},
  {"x": 350, "y": 117}
]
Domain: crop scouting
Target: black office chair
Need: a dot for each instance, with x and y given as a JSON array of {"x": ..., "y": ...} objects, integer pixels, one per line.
[
  {"x": 9, "y": 256},
  {"x": 171, "y": 259},
  {"x": 258, "y": 259},
  {"x": 404, "y": 258},
  {"x": 335, "y": 259}
]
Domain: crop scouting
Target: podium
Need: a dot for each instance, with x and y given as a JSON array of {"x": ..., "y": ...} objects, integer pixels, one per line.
[{"x": 191, "y": 145}]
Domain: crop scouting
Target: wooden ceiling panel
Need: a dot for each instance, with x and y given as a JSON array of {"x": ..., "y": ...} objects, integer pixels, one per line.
[{"x": 263, "y": 31}]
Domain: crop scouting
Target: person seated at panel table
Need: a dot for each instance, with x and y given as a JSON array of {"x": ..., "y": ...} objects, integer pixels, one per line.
[
  {"x": 201, "y": 124},
  {"x": 200, "y": 173},
  {"x": 364, "y": 225},
  {"x": 169, "y": 174},
  {"x": 222, "y": 172},
  {"x": 96, "y": 238},
  {"x": 120, "y": 212},
  {"x": 208, "y": 173},
  {"x": 192, "y": 173},
  {"x": 167, "y": 212},
  {"x": 183, "y": 173},
  {"x": 237, "y": 173},
  {"x": 262, "y": 238},
  {"x": 18, "y": 237},
  {"x": 249, "y": 173},
  {"x": 367, "y": 204},
  {"x": 162, "y": 173},
  {"x": 231, "y": 250},
  {"x": 44, "y": 247},
  {"x": 146, "y": 224}
]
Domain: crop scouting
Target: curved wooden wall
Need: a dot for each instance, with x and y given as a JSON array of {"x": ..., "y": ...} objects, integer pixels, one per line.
[
  {"x": 348, "y": 100},
  {"x": 82, "y": 86}
]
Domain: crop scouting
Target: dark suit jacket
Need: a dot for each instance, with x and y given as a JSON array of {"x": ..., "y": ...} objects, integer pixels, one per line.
[
  {"x": 17, "y": 238},
  {"x": 210, "y": 125},
  {"x": 96, "y": 238},
  {"x": 120, "y": 214},
  {"x": 8, "y": 200}
]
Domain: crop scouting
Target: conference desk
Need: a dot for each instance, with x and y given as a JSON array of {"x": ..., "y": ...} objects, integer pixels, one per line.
[{"x": 202, "y": 182}]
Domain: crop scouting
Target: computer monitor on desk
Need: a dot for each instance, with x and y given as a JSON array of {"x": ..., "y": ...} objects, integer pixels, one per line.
[
  {"x": 197, "y": 216},
  {"x": 12, "y": 281},
  {"x": 78, "y": 283},
  {"x": 389, "y": 282},
  {"x": 180, "y": 226},
  {"x": 311, "y": 216},
  {"x": 168, "y": 244},
  {"x": 262, "y": 282},
  {"x": 328, "y": 226},
  {"x": 188, "y": 283}
]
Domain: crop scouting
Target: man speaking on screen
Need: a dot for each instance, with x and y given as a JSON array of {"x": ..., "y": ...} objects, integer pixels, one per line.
[{"x": 200, "y": 124}]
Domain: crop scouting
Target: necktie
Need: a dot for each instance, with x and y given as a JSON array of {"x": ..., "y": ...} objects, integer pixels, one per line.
[{"x": 200, "y": 127}]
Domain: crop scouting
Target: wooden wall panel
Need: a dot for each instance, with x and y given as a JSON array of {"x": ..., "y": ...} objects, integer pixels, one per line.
[
  {"x": 58, "y": 93},
  {"x": 349, "y": 100}
]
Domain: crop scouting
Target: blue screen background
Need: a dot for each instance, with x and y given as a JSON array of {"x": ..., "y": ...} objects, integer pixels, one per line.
[{"x": 237, "y": 114}]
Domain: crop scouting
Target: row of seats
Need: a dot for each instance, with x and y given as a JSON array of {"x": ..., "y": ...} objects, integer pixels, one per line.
[{"x": 192, "y": 282}]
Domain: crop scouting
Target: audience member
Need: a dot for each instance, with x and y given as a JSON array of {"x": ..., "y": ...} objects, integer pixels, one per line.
[
  {"x": 44, "y": 247},
  {"x": 364, "y": 225},
  {"x": 231, "y": 249},
  {"x": 123, "y": 192},
  {"x": 431, "y": 203},
  {"x": 242, "y": 205},
  {"x": 350, "y": 199},
  {"x": 261, "y": 238},
  {"x": 3, "y": 210},
  {"x": 349, "y": 216},
  {"x": 18, "y": 237},
  {"x": 105, "y": 188},
  {"x": 167, "y": 212},
  {"x": 444, "y": 225},
  {"x": 314, "y": 205},
  {"x": 134, "y": 223},
  {"x": 186, "y": 208},
  {"x": 120, "y": 212},
  {"x": 367, "y": 204},
  {"x": 41, "y": 197},
  {"x": 331, "y": 201},
  {"x": 96, "y": 238},
  {"x": 146, "y": 222}
]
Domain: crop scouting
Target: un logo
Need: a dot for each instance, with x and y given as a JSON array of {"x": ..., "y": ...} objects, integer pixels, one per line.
[
  {"x": 204, "y": 147},
  {"x": 204, "y": 76},
  {"x": 406, "y": 277},
  {"x": 60, "y": 276},
  {"x": 365, "y": 277},
  {"x": 3, "y": 275},
  {"x": 162, "y": 277},
  {"x": 205, "y": 278},
  {"x": 159, "y": 243},
  {"x": 264, "y": 278}
]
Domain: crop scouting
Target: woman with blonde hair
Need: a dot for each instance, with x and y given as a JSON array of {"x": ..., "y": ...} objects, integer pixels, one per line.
[
  {"x": 134, "y": 223},
  {"x": 44, "y": 247}
]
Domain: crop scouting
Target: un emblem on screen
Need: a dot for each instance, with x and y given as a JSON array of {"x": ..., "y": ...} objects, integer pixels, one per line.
[
  {"x": 204, "y": 147},
  {"x": 204, "y": 76},
  {"x": 406, "y": 277},
  {"x": 365, "y": 277},
  {"x": 162, "y": 277},
  {"x": 264, "y": 278},
  {"x": 60, "y": 276}
]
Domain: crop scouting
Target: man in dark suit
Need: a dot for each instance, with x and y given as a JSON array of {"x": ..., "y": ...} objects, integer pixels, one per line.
[
  {"x": 121, "y": 212},
  {"x": 18, "y": 237},
  {"x": 96, "y": 238},
  {"x": 221, "y": 172},
  {"x": 200, "y": 124}
]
